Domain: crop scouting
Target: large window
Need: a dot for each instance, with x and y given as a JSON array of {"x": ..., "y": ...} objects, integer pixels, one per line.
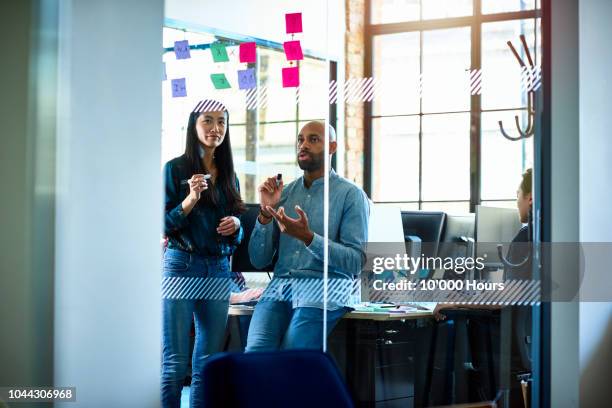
[
  {"x": 432, "y": 131},
  {"x": 264, "y": 121}
]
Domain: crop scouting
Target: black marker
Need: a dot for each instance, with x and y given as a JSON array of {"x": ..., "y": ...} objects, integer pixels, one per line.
[{"x": 279, "y": 177}]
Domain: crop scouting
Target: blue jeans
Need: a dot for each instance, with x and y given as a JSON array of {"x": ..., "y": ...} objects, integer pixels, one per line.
[
  {"x": 277, "y": 325},
  {"x": 178, "y": 315}
]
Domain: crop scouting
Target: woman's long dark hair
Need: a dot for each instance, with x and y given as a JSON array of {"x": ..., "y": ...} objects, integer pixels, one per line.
[{"x": 223, "y": 159}]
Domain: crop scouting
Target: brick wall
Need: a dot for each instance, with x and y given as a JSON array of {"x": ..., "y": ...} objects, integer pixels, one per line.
[{"x": 354, "y": 49}]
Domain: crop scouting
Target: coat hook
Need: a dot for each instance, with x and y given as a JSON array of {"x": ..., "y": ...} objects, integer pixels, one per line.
[
  {"x": 523, "y": 134},
  {"x": 505, "y": 260}
]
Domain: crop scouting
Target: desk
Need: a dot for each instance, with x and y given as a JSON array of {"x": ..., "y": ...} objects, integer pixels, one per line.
[
  {"x": 376, "y": 354},
  {"x": 387, "y": 359},
  {"x": 237, "y": 310}
]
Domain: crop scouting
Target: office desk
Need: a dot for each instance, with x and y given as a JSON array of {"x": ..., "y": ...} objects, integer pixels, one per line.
[
  {"x": 376, "y": 354},
  {"x": 236, "y": 310},
  {"x": 387, "y": 359}
]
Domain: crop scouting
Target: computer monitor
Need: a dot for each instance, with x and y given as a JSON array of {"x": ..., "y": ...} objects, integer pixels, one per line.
[
  {"x": 385, "y": 239},
  {"x": 494, "y": 226},
  {"x": 427, "y": 226},
  {"x": 457, "y": 241}
]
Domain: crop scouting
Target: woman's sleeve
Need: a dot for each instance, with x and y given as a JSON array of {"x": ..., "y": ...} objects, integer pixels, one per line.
[{"x": 174, "y": 219}]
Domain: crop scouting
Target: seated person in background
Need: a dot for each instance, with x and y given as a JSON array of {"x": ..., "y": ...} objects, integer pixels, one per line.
[
  {"x": 519, "y": 252},
  {"x": 291, "y": 222}
]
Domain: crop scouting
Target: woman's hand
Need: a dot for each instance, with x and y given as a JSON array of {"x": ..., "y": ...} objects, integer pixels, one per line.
[
  {"x": 197, "y": 184},
  {"x": 228, "y": 226}
]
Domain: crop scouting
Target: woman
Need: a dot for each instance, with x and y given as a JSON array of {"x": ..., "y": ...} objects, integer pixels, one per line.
[{"x": 202, "y": 202}]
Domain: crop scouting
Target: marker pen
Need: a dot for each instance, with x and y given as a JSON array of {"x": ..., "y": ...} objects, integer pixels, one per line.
[{"x": 206, "y": 177}]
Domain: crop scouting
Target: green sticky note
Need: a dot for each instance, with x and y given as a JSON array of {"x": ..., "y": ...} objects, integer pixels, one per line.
[
  {"x": 218, "y": 51},
  {"x": 220, "y": 81}
]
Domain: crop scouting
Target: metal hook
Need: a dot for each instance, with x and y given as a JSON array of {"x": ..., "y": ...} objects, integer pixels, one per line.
[
  {"x": 522, "y": 37},
  {"x": 523, "y": 134},
  {"x": 506, "y": 262},
  {"x": 530, "y": 118},
  {"x": 507, "y": 136}
]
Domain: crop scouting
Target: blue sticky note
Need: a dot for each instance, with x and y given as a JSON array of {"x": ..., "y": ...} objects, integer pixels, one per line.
[
  {"x": 179, "y": 88},
  {"x": 164, "y": 75},
  {"x": 219, "y": 53},
  {"x": 246, "y": 79},
  {"x": 181, "y": 49},
  {"x": 220, "y": 81}
]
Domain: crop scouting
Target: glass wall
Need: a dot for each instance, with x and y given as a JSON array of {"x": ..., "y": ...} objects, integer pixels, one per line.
[{"x": 398, "y": 278}]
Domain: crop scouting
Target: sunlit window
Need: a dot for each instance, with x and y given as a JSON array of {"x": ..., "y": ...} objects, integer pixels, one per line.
[{"x": 434, "y": 132}]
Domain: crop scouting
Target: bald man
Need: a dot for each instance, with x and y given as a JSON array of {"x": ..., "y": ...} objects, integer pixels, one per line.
[{"x": 290, "y": 222}]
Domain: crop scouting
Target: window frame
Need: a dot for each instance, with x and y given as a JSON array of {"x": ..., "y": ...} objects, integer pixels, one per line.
[{"x": 475, "y": 22}]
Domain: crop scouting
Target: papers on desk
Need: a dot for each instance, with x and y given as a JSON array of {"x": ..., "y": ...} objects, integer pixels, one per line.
[{"x": 395, "y": 308}]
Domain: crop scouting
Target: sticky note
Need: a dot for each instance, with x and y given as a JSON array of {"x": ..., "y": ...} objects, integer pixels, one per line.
[
  {"x": 246, "y": 79},
  {"x": 181, "y": 49},
  {"x": 179, "y": 88},
  {"x": 293, "y": 23},
  {"x": 291, "y": 77},
  {"x": 218, "y": 51},
  {"x": 220, "y": 81},
  {"x": 248, "y": 52},
  {"x": 164, "y": 75},
  {"x": 293, "y": 50}
]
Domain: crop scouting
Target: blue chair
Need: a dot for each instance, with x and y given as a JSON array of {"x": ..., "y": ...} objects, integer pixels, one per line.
[{"x": 292, "y": 378}]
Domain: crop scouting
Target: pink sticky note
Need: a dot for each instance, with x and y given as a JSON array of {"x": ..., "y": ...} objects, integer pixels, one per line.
[
  {"x": 293, "y": 50},
  {"x": 291, "y": 77},
  {"x": 293, "y": 23},
  {"x": 248, "y": 52}
]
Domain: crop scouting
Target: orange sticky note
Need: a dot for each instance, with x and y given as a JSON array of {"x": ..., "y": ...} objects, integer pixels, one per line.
[{"x": 291, "y": 77}]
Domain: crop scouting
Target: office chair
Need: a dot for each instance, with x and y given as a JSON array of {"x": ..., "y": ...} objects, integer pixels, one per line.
[
  {"x": 292, "y": 378},
  {"x": 240, "y": 259}
]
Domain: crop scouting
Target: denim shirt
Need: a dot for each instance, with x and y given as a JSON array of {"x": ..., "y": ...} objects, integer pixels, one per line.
[
  {"x": 348, "y": 230},
  {"x": 196, "y": 232}
]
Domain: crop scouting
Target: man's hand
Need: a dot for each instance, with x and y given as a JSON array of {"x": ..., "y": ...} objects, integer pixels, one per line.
[
  {"x": 270, "y": 193},
  {"x": 248, "y": 295},
  {"x": 297, "y": 228}
]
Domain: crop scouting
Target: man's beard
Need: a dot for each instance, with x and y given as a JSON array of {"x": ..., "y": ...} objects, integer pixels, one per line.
[{"x": 315, "y": 163}]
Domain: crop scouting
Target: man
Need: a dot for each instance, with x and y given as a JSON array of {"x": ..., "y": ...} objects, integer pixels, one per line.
[{"x": 290, "y": 313}]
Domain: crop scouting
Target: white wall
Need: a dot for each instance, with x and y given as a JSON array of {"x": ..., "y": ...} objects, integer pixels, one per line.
[
  {"x": 564, "y": 202},
  {"x": 109, "y": 206},
  {"x": 595, "y": 196}
]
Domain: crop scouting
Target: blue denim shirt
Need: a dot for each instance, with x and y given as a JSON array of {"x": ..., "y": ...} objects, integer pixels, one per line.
[
  {"x": 196, "y": 232},
  {"x": 298, "y": 263}
]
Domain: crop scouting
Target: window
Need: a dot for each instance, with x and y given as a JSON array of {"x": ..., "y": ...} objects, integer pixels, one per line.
[
  {"x": 433, "y": 134},
  {"x": 264, "y": 122}
]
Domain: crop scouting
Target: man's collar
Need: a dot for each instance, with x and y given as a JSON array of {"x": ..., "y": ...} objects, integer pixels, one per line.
[{"x": 320, "y": 180}]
